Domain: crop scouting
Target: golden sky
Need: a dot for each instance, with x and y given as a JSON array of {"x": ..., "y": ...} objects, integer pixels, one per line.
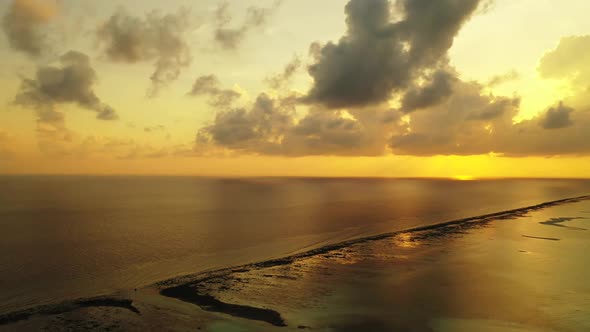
[{"x": 406, "y": 88}]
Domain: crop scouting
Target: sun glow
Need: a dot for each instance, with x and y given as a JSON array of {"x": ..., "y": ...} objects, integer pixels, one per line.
[{"x": 464, "y": 177}]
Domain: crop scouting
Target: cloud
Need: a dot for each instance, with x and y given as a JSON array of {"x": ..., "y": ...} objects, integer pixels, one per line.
[
  {"x": 379, "y": 56},
  {"x": 437, "y": 88},
  {"x": 503, "y": 78},
  {"x": 270, "y": 126},
  {"x": 279, "y": 80},
  {"x": 403, "y": 58},
  {"x": 70, "y": 82},
  {"x": 471, "y": 122},
  {"x": 327, "y": 132},
  {"x": 467, "y": 122},
  {"x": 462, "y": 125},
  {"x": 230, "y": 38},
  {"x": 256, "y": 129},
  {"x": 557, "y": 117},
  {"x": 209, "y": 85},
  {"x": 568, "y": 61},
  {"x": 155, "y": 37},
  {"x": 23, "y": 25}
]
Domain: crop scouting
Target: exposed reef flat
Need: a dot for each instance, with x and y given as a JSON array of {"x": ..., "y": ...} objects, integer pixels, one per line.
[{"x": 68, "y": 306}]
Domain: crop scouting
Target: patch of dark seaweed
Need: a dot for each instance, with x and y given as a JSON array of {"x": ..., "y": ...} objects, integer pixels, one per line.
[
  {"x": 64, "y": 307},
  {"x": 209, "y": 303},
  {"x": 541, "y": 238},
  {"x": 559, "y": 221}
]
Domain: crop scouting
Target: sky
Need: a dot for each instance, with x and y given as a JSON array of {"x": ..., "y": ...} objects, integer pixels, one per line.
[{"x": 400, "y": 88}]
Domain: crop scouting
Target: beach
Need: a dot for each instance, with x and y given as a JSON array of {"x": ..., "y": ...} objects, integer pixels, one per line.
[{"x": 518, "y": 270}]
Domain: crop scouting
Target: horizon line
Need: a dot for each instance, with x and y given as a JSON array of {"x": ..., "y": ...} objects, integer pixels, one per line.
[{"x": 229, "y": 176}]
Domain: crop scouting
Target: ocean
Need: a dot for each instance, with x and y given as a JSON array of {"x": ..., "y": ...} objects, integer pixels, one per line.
[{"x": 66, "y": 237}]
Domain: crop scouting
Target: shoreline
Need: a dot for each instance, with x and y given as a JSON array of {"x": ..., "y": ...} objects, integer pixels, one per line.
[
  {"x": 183, "y": 287},
  {"x": 506, "y": 214}
]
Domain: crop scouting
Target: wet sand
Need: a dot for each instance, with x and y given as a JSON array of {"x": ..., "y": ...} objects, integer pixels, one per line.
[{"x": 518, "y": 270}]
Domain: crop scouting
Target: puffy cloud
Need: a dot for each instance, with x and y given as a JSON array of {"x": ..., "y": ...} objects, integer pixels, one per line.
[
  {"x": 567, "y": 63},
  {"x": 23, "y": 25},
  {"x": 208, "y": 85},
  {"x": 402, "y": 56},
  {"x": 378, "y": 56},
  {"x": 568, "y": 60},
  {"x": 228, "y": 37},
  {"x": 462, "y": 125},
  {"x": 270, "y": 126},
  {"x": 258, "y": 129},
  {"x": 70, "y": 82},
  {"x": 155, "y": 37},
  {"x": 557, "y": 117},
  {"x": 325, "y": 132},
  {"x": 437, "y": 88},
  {"x": 471, "y": 122}
]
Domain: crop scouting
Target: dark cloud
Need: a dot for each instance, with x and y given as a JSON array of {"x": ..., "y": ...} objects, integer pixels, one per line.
[
  {"x": 23, "y": 25},
  {"x": 230, "y": 37},
  {"x": 256, "y": 129},
  {"x": 557, "y": 117},
  {"x": 70, "y": 82},
  {"x": 378, "y": 56},
  {"x": 155, "y": 37},
  {"x": 209, "y": 86},
  {"x": 437, "y": 88},
  {"x": 279, "y": 80},
  {"x": 270, "y": 126},
  {"x": 323, "y": 132}
]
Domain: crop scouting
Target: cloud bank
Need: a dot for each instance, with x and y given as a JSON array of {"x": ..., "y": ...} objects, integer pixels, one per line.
[{"x": 397, "y": 52}]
